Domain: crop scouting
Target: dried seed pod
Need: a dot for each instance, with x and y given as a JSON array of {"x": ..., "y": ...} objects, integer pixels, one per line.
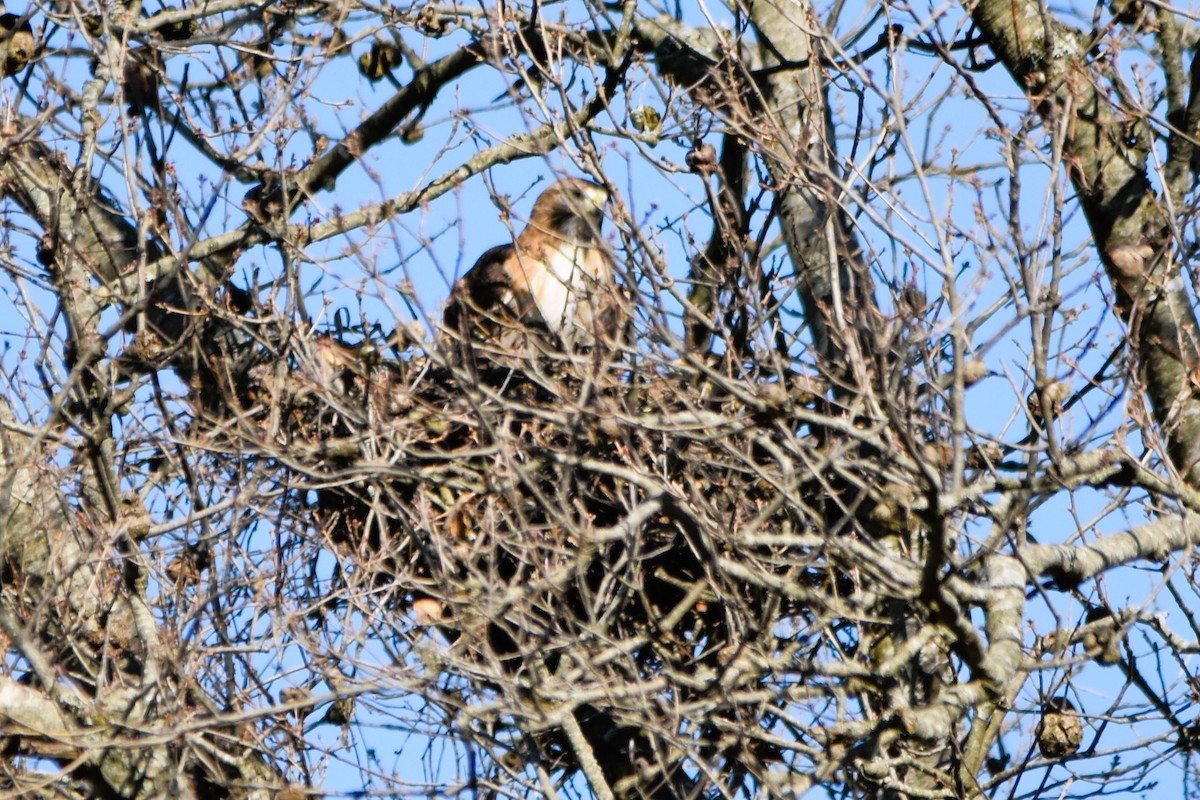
[
  {"x": 47, "y": 248},
  {"x": 341, "y": 711},
  {"x": 257, "y": 64},
  {"x": 377, "y": 63},
  {"x": 648, "y": 122},
  {"x": 1128, "y": 12},
  {"x": 293, "y": 695},
  {"x": 1056, "y": 394},
  {"x": 1102, "y": 638},
  {"x": 413, "y": 132},
  {"x": 646, "y": 119},
  {"x": 188, "y": 566},
  {"x": 178, "y": 31},
  {"x": 140, "y": 80},
  {"x": 16, "y": 43},
  {"x": 974, "y": 371},
  {"x": 984, "y": 454},
  {"x": 265, "y": 202},
  {"x": 430, "y": 23},
  {"x": 702, "y": 159},
  {"x": 1060, "y": 731}
]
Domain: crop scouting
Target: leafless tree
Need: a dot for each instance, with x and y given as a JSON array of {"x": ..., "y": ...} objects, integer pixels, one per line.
[{"x": 887, "y": 493}]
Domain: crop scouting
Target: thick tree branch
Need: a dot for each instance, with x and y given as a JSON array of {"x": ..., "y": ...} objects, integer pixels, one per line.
[{"x": 1106, "y": 156}]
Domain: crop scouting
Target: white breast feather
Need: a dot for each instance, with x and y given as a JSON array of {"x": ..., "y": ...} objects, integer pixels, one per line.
[{"x": 557, "y": 291}]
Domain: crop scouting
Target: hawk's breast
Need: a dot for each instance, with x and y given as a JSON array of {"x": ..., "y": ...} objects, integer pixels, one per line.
[{"x": 563, "y": 294}]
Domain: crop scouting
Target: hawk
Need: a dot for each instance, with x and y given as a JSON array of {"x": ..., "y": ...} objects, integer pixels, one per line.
[{"x": 556, "y": 277}]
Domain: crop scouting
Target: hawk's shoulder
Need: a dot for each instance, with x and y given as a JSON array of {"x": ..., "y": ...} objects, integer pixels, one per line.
[{"x": 483, "y": 291}]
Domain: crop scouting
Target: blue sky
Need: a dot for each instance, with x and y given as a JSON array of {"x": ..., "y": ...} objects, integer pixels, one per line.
[{"x": 936, "y": 212}]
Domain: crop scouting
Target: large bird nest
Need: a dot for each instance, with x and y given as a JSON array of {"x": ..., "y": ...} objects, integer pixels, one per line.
[
  {"x": 605, "y": 523},
  {"x": 526, "y": 503}
]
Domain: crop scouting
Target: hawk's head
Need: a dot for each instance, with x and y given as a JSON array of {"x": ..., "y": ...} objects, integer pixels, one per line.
[{"x": 571, "y": 209}]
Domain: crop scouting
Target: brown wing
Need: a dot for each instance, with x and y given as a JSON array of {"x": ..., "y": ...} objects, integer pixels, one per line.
[
  {"x": 480, "y": 293},
  {"x": 487, "y": 309},
  {"x": 614, "y": 323}
]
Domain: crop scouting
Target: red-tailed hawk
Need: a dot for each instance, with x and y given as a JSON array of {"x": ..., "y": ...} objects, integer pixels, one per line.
[{"x": 555, "y": 277}]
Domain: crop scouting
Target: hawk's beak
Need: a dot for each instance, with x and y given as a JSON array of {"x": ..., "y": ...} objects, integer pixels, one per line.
[{"x": 598, "y": 195}]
